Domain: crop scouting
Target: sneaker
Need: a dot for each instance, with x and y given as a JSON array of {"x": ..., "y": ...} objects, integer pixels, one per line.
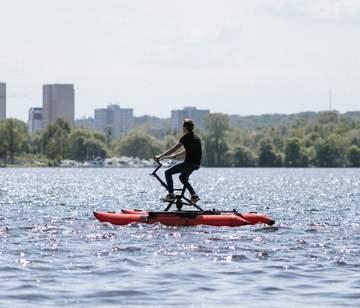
[
  {"x": 195, "y": 198},
  {"x": 169, "y": 198}
]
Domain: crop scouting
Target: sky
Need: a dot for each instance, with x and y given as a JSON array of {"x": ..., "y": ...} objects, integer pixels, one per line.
[{"x": 232, "y": 56}]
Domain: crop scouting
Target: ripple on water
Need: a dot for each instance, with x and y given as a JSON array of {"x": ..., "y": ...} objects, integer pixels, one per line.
[{"x": 53, "y": 252}]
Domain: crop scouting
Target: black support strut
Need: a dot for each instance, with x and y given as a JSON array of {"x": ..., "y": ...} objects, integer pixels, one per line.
[{"x": 180, "y": 199}]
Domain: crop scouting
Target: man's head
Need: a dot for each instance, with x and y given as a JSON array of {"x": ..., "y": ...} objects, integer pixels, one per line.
[{"x": 188, "y": 126}]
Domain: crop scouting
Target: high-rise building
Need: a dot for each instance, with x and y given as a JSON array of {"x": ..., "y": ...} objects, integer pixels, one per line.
[
  {"x": 2, "y": 101},
  {"x": 197, "y": 115},
  {"x": 35, "y": 119},
  {"x": 102, "y": 119},
  {"x": 114, "y": 119},
  {"x": 58, "y": 102}
]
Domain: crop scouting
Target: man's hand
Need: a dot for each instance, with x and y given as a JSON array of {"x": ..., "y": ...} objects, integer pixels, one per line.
[{"x": 157, "y": 157}]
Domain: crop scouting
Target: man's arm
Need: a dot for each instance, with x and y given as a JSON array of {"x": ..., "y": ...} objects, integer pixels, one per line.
[
  {"x": 169, "y": 152},
  {"x": 174, "y": 155}
]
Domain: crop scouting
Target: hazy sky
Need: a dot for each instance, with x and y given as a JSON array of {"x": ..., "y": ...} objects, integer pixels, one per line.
[{"x": 233, "y": 56}]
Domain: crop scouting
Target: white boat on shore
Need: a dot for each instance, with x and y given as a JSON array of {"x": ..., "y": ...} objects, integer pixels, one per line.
[
  {"x": 68, "y": 163},
  {"x": 127, "y": 162},
  {"x": 115, "y": 162}
]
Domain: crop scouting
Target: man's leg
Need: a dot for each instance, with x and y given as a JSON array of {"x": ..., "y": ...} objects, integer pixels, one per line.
[
  {"x": 178, "y": 168},
  {"x": 184, "y": 178}
]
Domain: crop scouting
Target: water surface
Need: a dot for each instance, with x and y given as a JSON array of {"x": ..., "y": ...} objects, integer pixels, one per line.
[{"x": 53, "y": 252}]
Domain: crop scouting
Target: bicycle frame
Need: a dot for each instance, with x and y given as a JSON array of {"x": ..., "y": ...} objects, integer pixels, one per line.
[{"x": 180, "y": 199}]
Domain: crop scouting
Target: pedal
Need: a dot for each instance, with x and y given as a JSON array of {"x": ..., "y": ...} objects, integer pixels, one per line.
[{"x": 195, "y": 201}]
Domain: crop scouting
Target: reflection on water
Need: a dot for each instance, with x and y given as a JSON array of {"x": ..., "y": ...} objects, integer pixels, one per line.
[{"x": 53, "y": 251}]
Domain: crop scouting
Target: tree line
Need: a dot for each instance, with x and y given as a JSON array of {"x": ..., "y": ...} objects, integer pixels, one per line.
[{"x": 327, "y": 140}]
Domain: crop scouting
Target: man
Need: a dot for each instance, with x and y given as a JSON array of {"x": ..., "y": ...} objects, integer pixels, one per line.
[{"x": 191, "y": 144}]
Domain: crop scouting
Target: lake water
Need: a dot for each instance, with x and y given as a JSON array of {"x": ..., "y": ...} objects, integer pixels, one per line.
[{"x": 53, "y": 252}]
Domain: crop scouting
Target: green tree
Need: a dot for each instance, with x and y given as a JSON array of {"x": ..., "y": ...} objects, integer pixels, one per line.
[
  {"x": 55, "y": 140},
  {"x": 267, "y": 156},
  {"x": 15, "y": 139},
  {"x": 217, "y": 125},
  {"x": 328, "y": 117},
  {"x": 311, "y": 138},
  {"x": 86, "y": 145},
  {"x": 3, "y": 140},
  {"x": 108, "y": 135},
  {"x": 243, "y": 157},
  {"x": 328, "y": 154},
  {"x": 354, "y": 156},
  {"x": 354, "y": 136},
  {"x": 138, "y": 144},
  {"x": 78, "y": 149},
  {"x": 94, "y": 148},
  {"x": 295, "y": 155}
]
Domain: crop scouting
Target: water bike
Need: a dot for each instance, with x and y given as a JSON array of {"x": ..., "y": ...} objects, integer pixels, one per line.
[{"x": 180, "y": 217}]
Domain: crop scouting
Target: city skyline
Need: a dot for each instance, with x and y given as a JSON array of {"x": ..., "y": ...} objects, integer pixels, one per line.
[
  {"x": 91, "y": 113},
  {"x": 245, "y": 57}
]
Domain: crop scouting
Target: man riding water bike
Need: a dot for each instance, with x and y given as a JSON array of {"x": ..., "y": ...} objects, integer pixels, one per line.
[{"x": 192, "y": 149}]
